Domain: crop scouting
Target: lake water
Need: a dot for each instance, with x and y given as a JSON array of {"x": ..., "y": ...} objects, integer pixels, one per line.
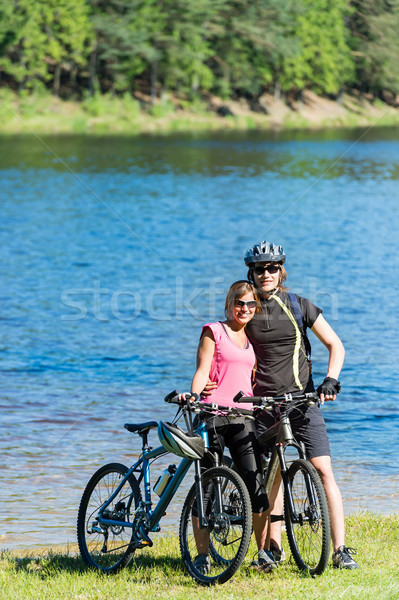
[{"x": 115, "y": 251}]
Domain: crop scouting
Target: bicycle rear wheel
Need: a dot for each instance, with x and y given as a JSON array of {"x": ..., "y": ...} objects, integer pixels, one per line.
[
  {"x": 229, "y": 526},
  {"x": 107, "y": 547},
  {"x": 309, "y": 533}
]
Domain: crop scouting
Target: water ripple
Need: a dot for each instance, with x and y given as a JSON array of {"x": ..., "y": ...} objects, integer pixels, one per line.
[{"x": 100, "y": 315}]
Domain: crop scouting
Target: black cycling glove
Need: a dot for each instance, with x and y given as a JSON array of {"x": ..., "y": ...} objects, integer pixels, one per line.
[{"x": 329, "y": 387}]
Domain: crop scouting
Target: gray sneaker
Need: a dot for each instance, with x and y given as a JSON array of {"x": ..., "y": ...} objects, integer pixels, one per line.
[
  {"x": 265, "y": 562},
  {"x": 342, "y": 558},
  {"x": 202, "y": 563}
]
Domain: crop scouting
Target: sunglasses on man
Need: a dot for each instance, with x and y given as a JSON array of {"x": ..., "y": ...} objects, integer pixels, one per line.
[{"x": 272, "y": 269}]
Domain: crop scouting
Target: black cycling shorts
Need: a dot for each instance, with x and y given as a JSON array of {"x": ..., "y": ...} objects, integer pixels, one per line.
[
  {"x": 239, "y": 435},
  {"x": 308, "y": 426}
]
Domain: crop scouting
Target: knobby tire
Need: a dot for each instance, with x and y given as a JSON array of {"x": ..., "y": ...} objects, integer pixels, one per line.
[
  {"x": 309, "y": 539},
  {"x": 229, "y": 530},
  {"x": 109, "y": 548}
]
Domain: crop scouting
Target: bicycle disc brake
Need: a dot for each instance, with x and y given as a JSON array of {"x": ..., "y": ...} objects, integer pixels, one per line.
[{"x": 221, "y": 528}]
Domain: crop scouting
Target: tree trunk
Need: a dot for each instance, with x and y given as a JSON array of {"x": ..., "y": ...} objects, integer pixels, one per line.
[
  {"x": 154, "y": 77},
  {"x": 92, "y": 71},
  {"x": 57, "y": 78},
  {"x": 301, "y": 98},
  {"x": 277, "y": 90},
  {"x": 21, "y": 83},
  {"x": 74, "y": 73}
]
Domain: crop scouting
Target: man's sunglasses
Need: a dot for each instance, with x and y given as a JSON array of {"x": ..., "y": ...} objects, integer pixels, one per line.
[
  {"x": 251, "y": 304},
  {"x": 272, "y": 269}
]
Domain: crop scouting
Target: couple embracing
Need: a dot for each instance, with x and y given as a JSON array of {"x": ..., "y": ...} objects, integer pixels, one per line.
[{"x": 261, "y": 349}]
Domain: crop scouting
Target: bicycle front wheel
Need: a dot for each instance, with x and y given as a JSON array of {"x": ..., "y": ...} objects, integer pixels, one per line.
[
  {"x": 107, "y": 547},
  {"x": 226, "y": 538},
  {"x": 308, "y": 530}
]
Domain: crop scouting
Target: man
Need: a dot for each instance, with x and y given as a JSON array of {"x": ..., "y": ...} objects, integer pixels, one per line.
[{"x": 283, "y": 366}]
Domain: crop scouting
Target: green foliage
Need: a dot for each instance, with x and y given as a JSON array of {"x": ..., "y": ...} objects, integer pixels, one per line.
[
  {"x": 324, "y": 61},
  {"x": 196, "y": 47},
  {"x": 374, "y": 27},
  {"x": 37, "y": 35},
  {"x": 96, "y": 105},
  {"x": 179, "y": 41},
  {"x": 6, "y": 104},
  {"x": 251, "y": 43},
  {"x": 102, "y": 105},
  {"x": 162, "y": 109},
  {"x": 121, "y": 46}
]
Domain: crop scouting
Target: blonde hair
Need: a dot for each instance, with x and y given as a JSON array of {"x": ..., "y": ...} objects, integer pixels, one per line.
[{"x": 237, "y": 290}]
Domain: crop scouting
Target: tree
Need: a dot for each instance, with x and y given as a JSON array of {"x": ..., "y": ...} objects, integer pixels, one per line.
[
  {"x": 121, "y": 49},
  {"x": 36, "y": 35},
  {"x": 249, "y": 49},
  {"x": 324, "y": 62},
  {"x": 374, "y": 26},
  {"x": 177, "y": 31}
]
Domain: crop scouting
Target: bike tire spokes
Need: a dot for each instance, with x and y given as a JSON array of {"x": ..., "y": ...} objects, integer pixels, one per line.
[
  {"x": 107, "y": 547},
  {"x": 226, "y": 537},
  {"x": 308, "y": 531}
]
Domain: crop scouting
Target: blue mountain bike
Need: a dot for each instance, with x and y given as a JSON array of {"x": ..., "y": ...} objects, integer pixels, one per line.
[{"x": 117, "y": 514}]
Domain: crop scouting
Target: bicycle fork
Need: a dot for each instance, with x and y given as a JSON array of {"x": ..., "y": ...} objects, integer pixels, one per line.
[
  {"x": 203, "y": 521},
  {"x": 286, "y": 483},
  {"x": 295, "y": 517}
]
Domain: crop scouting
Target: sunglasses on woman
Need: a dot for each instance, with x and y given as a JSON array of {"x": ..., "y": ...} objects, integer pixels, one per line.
[
  {"x": 272, "y": 269},
  {"x": 250, "y": 304}
]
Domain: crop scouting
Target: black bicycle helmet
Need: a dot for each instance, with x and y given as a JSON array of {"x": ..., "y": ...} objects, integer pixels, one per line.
[
  {"x": 179, "y": 442},
  {"x": 264, "y": 252}
]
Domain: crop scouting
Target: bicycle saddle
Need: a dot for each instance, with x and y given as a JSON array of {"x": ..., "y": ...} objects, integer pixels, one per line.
[{"x": 141, "y": 428}]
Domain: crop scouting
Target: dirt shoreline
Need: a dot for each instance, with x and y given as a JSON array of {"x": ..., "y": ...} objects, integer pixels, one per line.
[{"x": 104, "y": 115}]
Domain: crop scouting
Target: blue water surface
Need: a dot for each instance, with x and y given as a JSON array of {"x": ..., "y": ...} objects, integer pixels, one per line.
[{"x": 115, "y": 252}]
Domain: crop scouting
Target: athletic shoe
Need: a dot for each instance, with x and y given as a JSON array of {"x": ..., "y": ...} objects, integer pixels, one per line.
[
  {"x": 265, "y": 562},
  {"x": 342, "y": 558},
  {"x": 277, "y": 554},
  {"x": 202, "y": 563}
]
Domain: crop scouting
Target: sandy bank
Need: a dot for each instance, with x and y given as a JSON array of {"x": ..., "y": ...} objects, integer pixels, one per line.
[{"x": 50, "y": 115}]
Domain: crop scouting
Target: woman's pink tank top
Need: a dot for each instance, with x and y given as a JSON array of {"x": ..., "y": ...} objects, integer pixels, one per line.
[{"x": 231, "y": 368}]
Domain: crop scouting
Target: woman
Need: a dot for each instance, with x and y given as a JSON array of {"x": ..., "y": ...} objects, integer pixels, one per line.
[{"x": 226, "y": 356}]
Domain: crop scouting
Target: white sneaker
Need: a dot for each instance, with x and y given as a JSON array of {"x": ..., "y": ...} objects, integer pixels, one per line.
[{"x": 277, "y": 554}]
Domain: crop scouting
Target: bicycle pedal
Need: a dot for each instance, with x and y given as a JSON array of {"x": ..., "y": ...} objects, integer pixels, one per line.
[{"x": 145, "y": 540}]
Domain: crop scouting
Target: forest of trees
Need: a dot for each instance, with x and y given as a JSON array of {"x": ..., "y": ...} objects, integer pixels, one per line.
[{"x": 229, "y": 48}]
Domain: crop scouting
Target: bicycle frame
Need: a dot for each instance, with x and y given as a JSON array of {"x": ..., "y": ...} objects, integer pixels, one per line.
[
  {"x": 284, "y": 438},
  {"x": 142, "y": 467}
]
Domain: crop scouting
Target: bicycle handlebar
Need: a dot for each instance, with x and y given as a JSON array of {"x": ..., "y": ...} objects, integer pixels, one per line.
[
  {"x": 271, "y": 401},
  {"x": 173, "y": 398}
]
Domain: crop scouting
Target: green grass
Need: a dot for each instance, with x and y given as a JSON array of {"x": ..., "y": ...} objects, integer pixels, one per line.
[{"x": 158, "y": 573}]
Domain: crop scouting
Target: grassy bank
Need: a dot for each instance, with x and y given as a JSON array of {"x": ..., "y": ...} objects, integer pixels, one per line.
[
  {"x": 125, "y": 115},
  {"x": 157, "y": 573}
]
